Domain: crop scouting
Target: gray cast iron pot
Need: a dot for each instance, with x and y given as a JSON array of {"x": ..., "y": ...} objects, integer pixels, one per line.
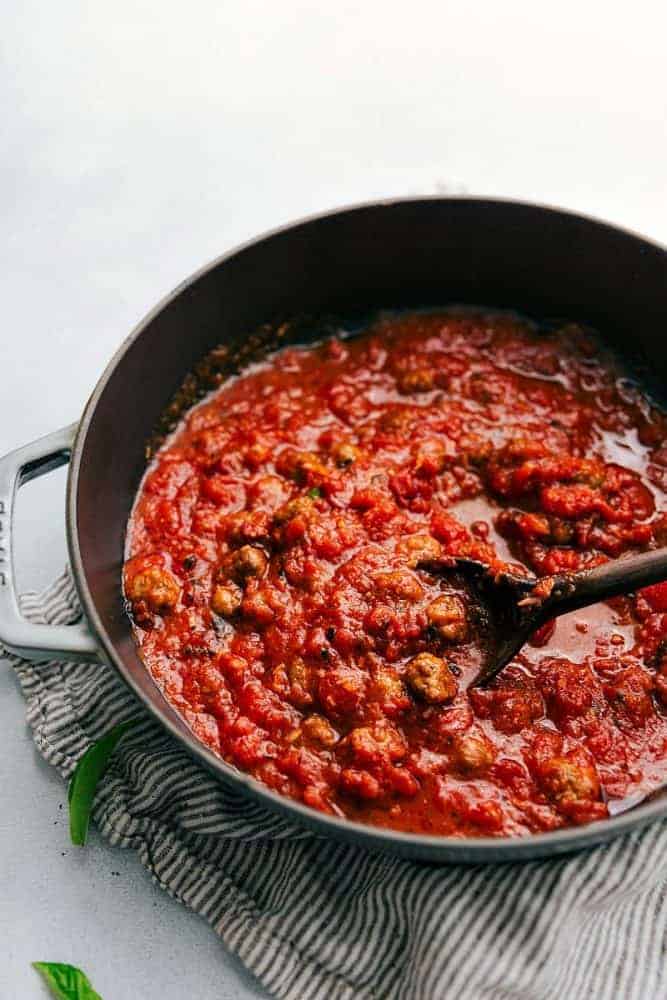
[{"x": 393, "y": 253}]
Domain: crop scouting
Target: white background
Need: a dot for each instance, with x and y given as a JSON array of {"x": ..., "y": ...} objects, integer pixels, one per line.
[{"x": 139, "y": 139}]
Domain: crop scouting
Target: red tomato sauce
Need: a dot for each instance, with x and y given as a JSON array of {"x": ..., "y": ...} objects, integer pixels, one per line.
[{"x": 275, "y": 582}]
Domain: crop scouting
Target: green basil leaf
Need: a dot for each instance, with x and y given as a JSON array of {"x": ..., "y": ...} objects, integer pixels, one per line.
[
  {"x": 84, "y": 781},
  {"x": 66, "y": 982},
  {"x": 314, "y": 492}
]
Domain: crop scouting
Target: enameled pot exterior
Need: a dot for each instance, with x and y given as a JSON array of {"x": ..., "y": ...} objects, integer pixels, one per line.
[{"x": 396, "y": 253}]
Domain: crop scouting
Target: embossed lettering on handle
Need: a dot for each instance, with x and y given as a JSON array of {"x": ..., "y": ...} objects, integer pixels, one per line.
[{"x": 4, "y": 582}]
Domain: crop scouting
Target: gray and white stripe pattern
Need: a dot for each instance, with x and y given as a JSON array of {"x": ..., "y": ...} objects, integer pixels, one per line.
[{"x": 315, "y": 920}]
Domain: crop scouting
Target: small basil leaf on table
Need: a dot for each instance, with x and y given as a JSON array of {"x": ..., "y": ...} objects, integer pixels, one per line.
[
  {"x": 66, "y": 982},
  {"x": 87, "y": 774}
]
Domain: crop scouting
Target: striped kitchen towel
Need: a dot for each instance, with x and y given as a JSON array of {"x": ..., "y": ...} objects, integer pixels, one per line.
[{"x": 314, "y": 919}]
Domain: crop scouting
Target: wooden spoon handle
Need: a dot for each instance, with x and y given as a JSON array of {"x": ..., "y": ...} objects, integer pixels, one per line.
[
  {"x": 569, "y": 593},
  {"x": 620, "y": 576}
]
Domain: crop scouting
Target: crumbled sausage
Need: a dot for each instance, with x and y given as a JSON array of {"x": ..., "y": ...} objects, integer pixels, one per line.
[
  {"x": 375, "y": 745},
  {"x": 430, "y": 458},
  {"x": 390, "y": 691},
  {"x": 473, "y": 752},
  {"x": 628, "y": 695},
  {"x": 245, "y": 526},
  {"x": 567, "y": 780},
  {"x": 301, "y": 681},
  {"x": 418, "y": 549},
  {"x": 157, "y": 587},
  {"x": 475, "y": 450},
  {"x": 361, "y": 784},
  {"x": 319, "y": 730},
  {"x": 431, "y": 679},
  {"x": 226, "y": 600},
  {"x": 447, "y": 614},
  {"x": 399, "y": 419},
  {"x": 345, "y": 454},
  {"x": 400, "y": 583},
  {"x": 420, "y": 380},
  {"x": 301, "y": 466},
  {"x": 240, "y": 565},
  {"x": 298, "y": 507}
]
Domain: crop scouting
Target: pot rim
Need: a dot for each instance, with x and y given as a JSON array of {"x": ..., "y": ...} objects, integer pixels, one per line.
[{"x": 477, "y": 849}]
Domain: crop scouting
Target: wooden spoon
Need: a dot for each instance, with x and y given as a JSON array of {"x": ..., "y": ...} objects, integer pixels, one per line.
[{"x": 514, "y": 607}]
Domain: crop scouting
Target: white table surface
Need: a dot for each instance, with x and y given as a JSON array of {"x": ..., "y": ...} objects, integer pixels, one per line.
[{"x": 141, "y": 138}]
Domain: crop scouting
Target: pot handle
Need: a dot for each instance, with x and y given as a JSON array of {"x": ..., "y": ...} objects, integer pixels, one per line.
[{"x": 18, "y": 635}]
